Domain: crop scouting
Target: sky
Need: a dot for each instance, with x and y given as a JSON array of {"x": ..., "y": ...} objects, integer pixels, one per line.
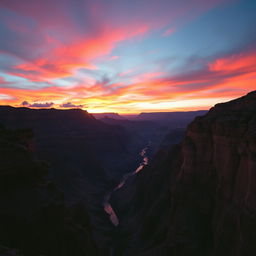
[{"x": 126, "y": 56}]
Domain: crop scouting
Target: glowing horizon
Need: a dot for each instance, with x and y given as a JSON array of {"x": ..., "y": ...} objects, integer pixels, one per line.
[{"x": 126, "y": 57}]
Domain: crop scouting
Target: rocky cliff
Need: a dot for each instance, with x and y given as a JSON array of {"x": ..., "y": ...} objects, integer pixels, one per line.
[
  {"x": 71, "y": 139},
  {"x": 199, "y": 198},
  {"x": 84, "y": 155},
  {"x": 34, "y": 217}
]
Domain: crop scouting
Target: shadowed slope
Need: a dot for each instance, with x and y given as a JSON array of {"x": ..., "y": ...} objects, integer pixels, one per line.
[{"x": 199, "y": 197}]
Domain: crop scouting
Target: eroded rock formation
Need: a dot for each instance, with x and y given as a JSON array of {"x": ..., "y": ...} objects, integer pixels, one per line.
[
  {"x": 34, "y": 218},
  {"x": 199, "y": 197}
]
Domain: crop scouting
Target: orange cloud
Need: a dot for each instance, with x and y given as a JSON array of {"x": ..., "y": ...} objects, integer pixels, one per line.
[
  {"x": 237, "y": 62},
  {"x": 220, "y": 80}
]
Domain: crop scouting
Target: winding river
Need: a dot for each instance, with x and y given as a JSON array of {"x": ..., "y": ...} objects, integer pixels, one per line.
[{"x": 107, "y": 206}]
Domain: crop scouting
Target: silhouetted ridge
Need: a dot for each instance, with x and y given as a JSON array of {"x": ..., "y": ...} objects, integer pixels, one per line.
[
  {"x": 245, "y": 103},
  {"x": 108, "y": 115},
  {"x": 85, "y": 158},
  {"x": 166, "y": 115}
]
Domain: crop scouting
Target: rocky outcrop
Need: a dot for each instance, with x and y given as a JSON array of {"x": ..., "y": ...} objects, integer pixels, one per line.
[
  {"x": 71, "y": 139},
  {"x": 85, "y": 156},
  {"x": 4, "y": 251},
  {"x": 199, "y": 197},
  {"x": 34, "y": 217}
]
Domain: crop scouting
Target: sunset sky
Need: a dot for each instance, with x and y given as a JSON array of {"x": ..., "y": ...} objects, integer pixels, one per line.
[{"x": 126, "y": 56}]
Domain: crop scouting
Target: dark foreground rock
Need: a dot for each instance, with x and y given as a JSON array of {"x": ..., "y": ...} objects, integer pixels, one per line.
[{"x": 34, "y": 217}]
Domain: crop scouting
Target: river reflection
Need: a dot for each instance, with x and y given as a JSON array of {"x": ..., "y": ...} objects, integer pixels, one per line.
[{"x": 107, "y": 207}]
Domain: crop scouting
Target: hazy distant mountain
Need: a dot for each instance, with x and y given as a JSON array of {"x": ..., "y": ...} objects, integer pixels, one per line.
[
  {"x": 180, "y": 115},
  {"x": 110, "y": 115}
]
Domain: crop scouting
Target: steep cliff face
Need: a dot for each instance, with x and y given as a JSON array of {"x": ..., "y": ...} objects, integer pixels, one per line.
[
  {"x": 85, "y": 156},
  {"x": 4, "y": 251},
  {"x": 34, "y": 218},
  {"x": 199, "y": 197}
]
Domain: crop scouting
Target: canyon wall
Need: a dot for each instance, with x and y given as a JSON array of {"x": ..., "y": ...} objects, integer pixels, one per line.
[
  {"x": 199, "y": 197},
  {"x": 85, "y": 157},
  {"x": 34, "y": 217}
]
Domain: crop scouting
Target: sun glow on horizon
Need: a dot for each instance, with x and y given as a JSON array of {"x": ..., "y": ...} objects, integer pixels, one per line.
[{"x": 126, "y": 58}]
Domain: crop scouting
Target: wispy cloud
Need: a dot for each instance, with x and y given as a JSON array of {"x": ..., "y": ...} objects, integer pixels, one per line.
[
  {"x": 212, "y": 81},
  {"x": 37, "y": 104},
  {"x": 70, "y": 105},
  {"x": 117, "y": 55},
  {"x": 168, "y": 32}
]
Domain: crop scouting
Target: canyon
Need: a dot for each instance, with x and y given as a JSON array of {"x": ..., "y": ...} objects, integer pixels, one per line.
[
  {"x": 191, "y": 193},
  {"x": 198, "y": 198}
]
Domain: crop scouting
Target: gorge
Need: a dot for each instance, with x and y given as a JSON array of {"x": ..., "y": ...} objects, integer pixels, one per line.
[
  {"x": 195, "y": 195},
  {"x": 107, "y": 207},
  {"x": 199, "y": 197}
]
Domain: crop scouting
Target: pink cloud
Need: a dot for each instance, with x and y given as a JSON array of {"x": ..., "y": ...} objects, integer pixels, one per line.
[
  {"x": 114, "y": 57},
  {"x": 168, "y": 32},
  {"x": 65, "y": 58}
]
